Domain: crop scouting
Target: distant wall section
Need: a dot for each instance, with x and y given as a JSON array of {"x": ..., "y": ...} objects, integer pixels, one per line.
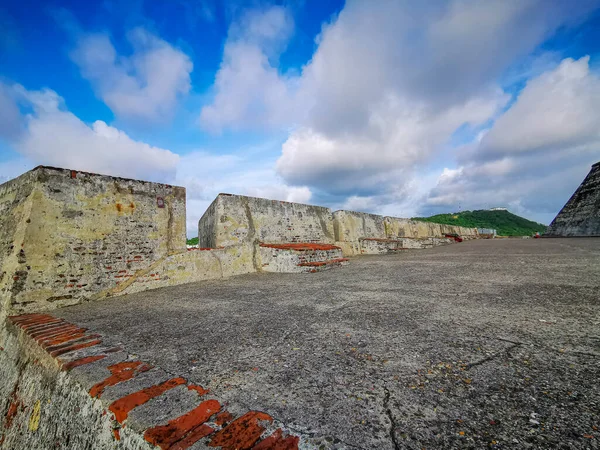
[
  {"x": 363, "y": 233},
  {"x": 233, "y": 219},
  {"x": 581, "y": 215}
]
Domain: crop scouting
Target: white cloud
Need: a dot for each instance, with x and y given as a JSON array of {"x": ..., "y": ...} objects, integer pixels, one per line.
[
  {"x": 143, "y": 86},
  {"x": 398, "y": 135},
  {"x": 537, "y": 153},
  {"x": 247, "y": 172},
  {"x": 387, "y": 87},
  {"x": 52, "y": 135},
  {"x": 557, "y": 109},
  {"x": 249, "y": 91},
  {"x": 392, "y": 82},
  {"x": 296, "y": 194}
]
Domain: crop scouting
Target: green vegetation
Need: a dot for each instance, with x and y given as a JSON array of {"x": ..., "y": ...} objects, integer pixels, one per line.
[
  {"x": 505, "y": 223},
  {"x": 192, "y": 241}
]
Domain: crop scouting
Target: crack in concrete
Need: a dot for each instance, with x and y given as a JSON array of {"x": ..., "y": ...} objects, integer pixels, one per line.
[
  {"x": 493, "y": 356},
  {"x": 547, "y": 348},
  {"x": 388, "y": 412}
]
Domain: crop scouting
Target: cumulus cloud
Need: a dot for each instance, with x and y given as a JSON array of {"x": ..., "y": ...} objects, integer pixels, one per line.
[
  {"x": 399, "y": 135},
  {"x": 145, "y": 85},
  {"x": 387, "y": 87},
  {"x": 249, "y": 91},
  {"x": 558, "y": 109},
  {"x": 52, "y": 135},
  {"x": 393, "y": 82},
  {"x": 296, "y": 194},
  {"x": 536, "y": 153}
]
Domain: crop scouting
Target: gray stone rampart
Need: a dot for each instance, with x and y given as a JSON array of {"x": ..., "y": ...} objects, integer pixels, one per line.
[{"x": 580, "y": 217}]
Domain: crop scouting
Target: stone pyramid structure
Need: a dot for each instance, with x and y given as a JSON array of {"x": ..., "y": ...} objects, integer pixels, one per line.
[{"x": 581, "y": 215}]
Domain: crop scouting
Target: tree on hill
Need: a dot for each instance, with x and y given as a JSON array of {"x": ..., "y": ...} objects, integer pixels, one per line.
[
  {"x": 504, "y": 222},
  {"x": 192, "y": 241}
]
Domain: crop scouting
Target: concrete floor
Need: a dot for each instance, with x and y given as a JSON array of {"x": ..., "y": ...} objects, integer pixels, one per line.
[{"x": 479, "y": 344}]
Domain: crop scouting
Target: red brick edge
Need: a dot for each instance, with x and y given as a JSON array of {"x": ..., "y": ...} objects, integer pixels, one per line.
[
  {"x": 301, "y": 246},
  {"x": 59, "y": 337}
]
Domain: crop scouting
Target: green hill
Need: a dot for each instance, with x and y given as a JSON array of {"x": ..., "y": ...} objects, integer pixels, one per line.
[
  {"x": 192, "y": 241},
  {"x": 505, "y": 223}
]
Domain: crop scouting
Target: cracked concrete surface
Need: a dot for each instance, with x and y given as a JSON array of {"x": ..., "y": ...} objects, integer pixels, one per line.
[{"x": 481, "y": 344}]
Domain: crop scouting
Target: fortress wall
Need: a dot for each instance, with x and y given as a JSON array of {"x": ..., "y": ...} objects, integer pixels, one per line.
[
  {"x": 233, "y": 219},
  {"x": 15, "y": 204},
  {"x": 359, "y": 233},
  {"x": 351, "y": 226},
  {"x": 67, "y": 236},
  {"x": 581, "y": 215},
  {"x": 78, "y": 234},
  {"x": 195, "y": 265}
]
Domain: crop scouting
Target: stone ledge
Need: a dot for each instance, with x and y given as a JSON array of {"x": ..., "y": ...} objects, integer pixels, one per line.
[{"x": 118, "y": 386}]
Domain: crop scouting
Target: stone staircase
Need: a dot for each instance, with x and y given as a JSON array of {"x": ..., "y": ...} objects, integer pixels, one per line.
[{"x": 300, "y": 257}]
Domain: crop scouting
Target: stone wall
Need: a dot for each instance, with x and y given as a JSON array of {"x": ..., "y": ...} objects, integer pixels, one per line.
[
  {"x": 67, "y": 236},
  {"x": 350, "y": 226},
  {"x": 361, "y": 233},
  {"x": 194, "y": 265},
  {"x": 68, "y": 387},
  {"x": 42, "y": 407},
  {"x": 233, "y": 219},
  {"x": 581, "y": 215}
]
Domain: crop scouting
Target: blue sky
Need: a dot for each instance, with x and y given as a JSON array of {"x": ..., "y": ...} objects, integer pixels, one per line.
[{"x": 398, "y": 108}]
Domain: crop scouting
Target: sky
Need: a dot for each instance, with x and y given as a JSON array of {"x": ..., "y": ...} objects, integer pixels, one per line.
[{"x": 395, "y": 107}]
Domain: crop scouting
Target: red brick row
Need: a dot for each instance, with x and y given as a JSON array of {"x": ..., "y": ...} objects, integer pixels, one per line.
[
  {"x": 59, "y": 337},
  {"x": 302, "y": 246},
  {"x": 323, "y": 263}
]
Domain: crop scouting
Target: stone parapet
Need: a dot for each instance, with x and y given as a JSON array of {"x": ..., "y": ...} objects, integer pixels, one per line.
[{"x": 580, "y": 217}]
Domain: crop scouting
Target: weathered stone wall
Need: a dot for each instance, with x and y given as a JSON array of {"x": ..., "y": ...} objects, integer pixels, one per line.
[
  {"x": 581, "y": 215},
  {"x": 361, "y": 233},
  {"x": 15, "y": 205},
  {"x": 233, "y": 219},
  {"x": 43, "y": 407},
  {"x": 69, "y": 235},
  {"x": 351, "y": 226},
  {"x": 192, "y": 266}
]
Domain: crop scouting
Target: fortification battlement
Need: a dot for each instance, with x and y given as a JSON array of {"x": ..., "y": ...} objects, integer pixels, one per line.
[
  {"x": 232, "y": 219},
  {"x": 581, "y": 215},
  {"x": 68, "y": 236}
]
